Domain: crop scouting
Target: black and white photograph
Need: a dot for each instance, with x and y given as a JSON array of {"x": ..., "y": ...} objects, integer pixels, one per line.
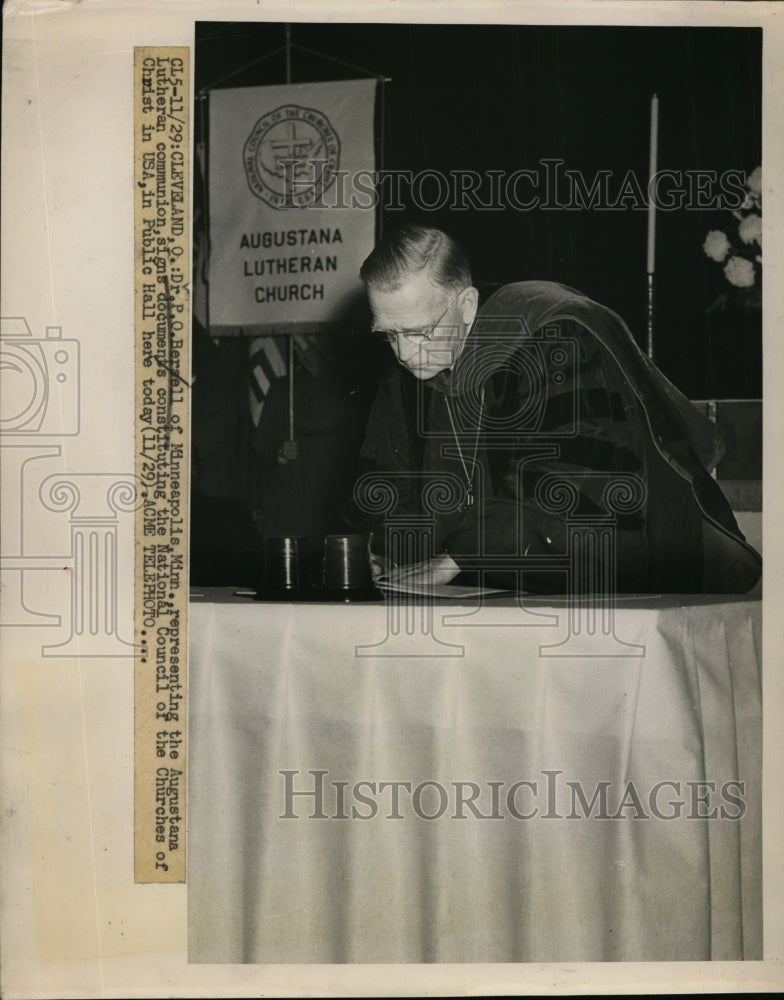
[
  {"x": 476, "y": 511},
  {"x": 385, "y": 394}
]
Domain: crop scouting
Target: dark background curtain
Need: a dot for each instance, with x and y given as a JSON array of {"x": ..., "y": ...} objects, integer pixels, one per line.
[{"x": 493, "y": 98}]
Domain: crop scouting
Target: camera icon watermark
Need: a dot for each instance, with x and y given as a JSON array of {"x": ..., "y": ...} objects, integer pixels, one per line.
[
  {"x": 39, "y": 406},
  {"x": 40, "y": 381},
  {"x": 542, "y": 364}
]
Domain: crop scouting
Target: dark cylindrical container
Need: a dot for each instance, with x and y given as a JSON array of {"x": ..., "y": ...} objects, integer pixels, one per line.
[
  {"x": 347, "y": 563},
  {"x": 282, "y": 567}
]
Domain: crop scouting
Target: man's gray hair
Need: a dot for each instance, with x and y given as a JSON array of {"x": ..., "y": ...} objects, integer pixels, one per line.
[{"x": 411, "y": 249}]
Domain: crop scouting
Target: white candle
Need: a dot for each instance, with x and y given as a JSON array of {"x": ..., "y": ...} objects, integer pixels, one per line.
[
  {"x": 652, "y": 164},
  {"x": 291, "y": 388}
]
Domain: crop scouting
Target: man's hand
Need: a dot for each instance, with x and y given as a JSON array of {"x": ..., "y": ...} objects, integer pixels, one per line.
[
  {"x": 288, "y": 452},
  {"x": 438, "y": 570},
  {"x": 379, "y": 565}
]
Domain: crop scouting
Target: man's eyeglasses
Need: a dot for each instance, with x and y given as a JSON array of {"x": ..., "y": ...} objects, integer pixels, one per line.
[{"x": 421, "y": 333}]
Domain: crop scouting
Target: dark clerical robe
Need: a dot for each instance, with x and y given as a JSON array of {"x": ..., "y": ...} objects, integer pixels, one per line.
[{"x": 552, "y": 447}]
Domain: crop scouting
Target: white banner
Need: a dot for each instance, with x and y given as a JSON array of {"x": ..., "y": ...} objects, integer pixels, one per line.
[{"x": 287, "y": 235}]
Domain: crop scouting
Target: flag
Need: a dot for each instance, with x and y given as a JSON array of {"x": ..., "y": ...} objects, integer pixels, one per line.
[{"x": 268, "y": 357}]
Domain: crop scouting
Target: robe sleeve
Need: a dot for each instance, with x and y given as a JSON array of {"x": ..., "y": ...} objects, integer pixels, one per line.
[
  {"x": 386, "y": 460},
  {"x": 587, "y": 429}
]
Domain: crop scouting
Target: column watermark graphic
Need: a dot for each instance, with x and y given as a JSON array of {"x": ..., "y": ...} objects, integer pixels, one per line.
[
  {"x": 408, "y": 538},
  {"x": 41, "y": 405},
  {"x": 94, "y": 503},
  {"x": 563, "y": 535}
]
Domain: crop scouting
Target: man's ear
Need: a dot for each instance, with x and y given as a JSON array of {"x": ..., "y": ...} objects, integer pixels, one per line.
[{"x": 469, "y": 303}]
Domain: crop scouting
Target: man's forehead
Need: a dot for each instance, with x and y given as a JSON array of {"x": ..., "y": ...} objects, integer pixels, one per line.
[{"x": 412, "y": 299}]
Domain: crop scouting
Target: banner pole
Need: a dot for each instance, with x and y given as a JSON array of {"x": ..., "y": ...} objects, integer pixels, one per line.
[
  {"x": 651, "y": 259},
  {"x": 380, "y": 165},
  {"x": 291, "y": 339}
]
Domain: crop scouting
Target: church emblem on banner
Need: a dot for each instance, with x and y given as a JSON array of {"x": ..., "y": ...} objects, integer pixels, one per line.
[{"x": 291, "y": 157}]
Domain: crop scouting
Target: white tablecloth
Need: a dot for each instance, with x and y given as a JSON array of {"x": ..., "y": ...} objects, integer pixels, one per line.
[{"x": 283, "y": 688}]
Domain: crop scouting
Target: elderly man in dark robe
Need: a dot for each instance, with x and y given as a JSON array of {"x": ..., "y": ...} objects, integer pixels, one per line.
[{"x": 531, "y": 439}]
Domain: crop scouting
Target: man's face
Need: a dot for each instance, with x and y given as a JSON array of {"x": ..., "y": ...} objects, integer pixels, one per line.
[{"x": 416, "y": 304}]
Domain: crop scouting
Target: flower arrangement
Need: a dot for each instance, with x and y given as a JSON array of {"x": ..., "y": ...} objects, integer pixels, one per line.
[{"x": 741, "y": 252}]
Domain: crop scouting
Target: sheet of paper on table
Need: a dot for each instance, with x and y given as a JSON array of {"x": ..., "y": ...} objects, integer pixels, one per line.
[{"x": 453, "y": 590}]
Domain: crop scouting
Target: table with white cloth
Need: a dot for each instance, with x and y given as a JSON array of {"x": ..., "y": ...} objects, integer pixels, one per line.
[{"x": 494, "y": 781}]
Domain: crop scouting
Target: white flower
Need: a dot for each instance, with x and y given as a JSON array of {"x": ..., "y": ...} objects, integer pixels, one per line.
[
  {"x": 750, "y": 229},
  {"x": 739, "y": 272},
  {"x": 716, "y": 245},
  {"x": 753, "y": 198},
  {"x": 750, "y": 203}
]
